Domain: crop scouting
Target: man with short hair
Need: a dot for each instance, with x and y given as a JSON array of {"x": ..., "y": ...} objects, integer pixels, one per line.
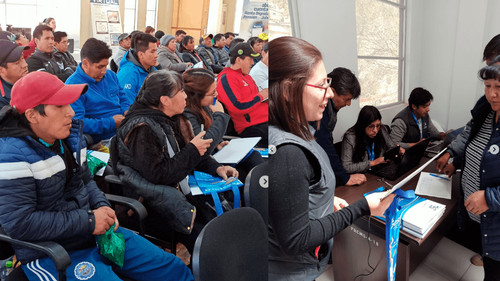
[
  {"x": 205, "y": 51},
  {"x": 43, "y": 58},
  {"x": 12, "y": 68},
  {"x": 179, "y": 34},
  {"x": 413, "y": 124},
  {"x": 260, "y": 71},
  {"x": 345, "y": 87},
  {"x": 137, "y": 63},
  {"x": 47, "y": 193},
  {"x": 241, "y": 97},
  {"x": 124, "y": 41},
  {"x": 218, "y": 48},
  {"x": 61, "y": 44},
  {"x": 229, "y": 37},
  {"x": 102, "y": 108}
]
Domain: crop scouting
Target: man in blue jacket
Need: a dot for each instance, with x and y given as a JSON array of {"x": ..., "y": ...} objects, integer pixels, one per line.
[
  {"x": 102, "y": 108},
  {"x": 47, "y": 194},
  {"x": 137, "y": 63}
]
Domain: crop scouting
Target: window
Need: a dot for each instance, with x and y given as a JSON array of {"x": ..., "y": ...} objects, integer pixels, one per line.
[
  {"x": 380, "y": 36},
  {"x": 151, "y": 13},
  {"x": 130, "y": 16}
]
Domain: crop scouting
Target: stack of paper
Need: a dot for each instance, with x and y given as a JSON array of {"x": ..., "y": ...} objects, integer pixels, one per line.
[
  {"x": 436, "y": 185},
  {"x": 420, "y": 218}
]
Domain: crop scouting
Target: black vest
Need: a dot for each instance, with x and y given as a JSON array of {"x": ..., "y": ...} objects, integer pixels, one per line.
[{"x": 412, "y": 129}]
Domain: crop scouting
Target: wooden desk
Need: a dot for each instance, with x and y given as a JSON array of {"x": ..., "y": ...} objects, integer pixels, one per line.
[{"x": 351, "y": 246}]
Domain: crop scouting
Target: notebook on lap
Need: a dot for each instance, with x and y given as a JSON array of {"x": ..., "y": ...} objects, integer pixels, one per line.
[{"x": 410, "y": 159}]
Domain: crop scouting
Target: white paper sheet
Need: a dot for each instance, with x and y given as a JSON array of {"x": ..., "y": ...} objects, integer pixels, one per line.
[
  {"x": 434, "y": 186},
  {"x": 236, "y": 150}
]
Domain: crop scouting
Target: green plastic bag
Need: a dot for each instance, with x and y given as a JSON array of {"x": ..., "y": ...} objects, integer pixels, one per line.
[
  {"x": 94, "y": 163},
  {"x": 112, "y": 246}
]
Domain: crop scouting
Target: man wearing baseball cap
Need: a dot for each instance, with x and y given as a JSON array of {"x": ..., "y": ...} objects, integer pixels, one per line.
[
  {"x": 124, "y": 40},
  {"x": 47, "y": 194},
  {"x": 12, "y": 68},
  {"x": 206, "y": 52},
  {"x": 240, "y": 95}
]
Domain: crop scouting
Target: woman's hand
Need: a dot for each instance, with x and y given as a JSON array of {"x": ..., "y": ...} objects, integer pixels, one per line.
[
  {"x": 222, "y": 144},
  {"x": 378, "y": 161},
  {"x": 356, "y": 179},
  {"x": 201, "y": 144},
  {"x": 227, "y": 171},
  {"x": 217, "y": 107},
  {"x": 442, "y": 161},
  {"x": 377, "y": 204},
  {"x": 476, "y": 203},
  {"x": 339, "y": 203}
]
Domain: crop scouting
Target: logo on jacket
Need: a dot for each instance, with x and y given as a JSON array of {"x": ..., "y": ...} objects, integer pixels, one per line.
[
  {"x": 494, "y": 149},
  {"x": 245, "y": 83},
  {"x": 84, "y": 270},
  {"x": 127, "y": 86}
]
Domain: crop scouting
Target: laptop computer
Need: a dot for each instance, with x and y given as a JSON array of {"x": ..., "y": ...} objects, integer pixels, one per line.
[{"x": 395, "y": 169}]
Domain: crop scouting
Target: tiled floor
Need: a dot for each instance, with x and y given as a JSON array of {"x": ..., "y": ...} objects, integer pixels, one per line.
[{"x": 448, "y": 261}]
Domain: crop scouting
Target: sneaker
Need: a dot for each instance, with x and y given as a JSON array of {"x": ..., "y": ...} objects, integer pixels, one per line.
[{"x": 476, "y": 260}]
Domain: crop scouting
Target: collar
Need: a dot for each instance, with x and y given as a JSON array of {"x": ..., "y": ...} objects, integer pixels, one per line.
[{"x": 86, "y": 78}]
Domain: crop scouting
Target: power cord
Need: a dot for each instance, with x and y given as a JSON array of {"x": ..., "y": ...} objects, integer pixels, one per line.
[{"x": 369, "y": 253}]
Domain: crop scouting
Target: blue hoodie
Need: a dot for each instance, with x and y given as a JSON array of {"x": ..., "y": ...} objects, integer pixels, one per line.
[
  {"x": 131, "y": 75},
  {"x": 99, "y": 104}
]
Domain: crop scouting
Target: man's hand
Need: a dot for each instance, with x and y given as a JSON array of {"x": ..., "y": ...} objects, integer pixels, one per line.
[
  {"x": 442, "y": 161},
  {"x": 380, "y": 160},
  {"x": 449, "y": 169},
  {"x": 105, "y": 217},
  {"x": 377, "y": 204},
  {"x": 227, "y": 171},
  {"x": 118, "y": 119},
  {"x": 339, "y": 203},
  {"x": 356, "y": 179},
  {"x": 264, "y": 93},
  {"x": 201, "y": 144},
  {"x": 476, "y": 203}
]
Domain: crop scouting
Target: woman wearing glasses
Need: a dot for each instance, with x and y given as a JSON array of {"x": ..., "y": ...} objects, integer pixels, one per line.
[
  {"x": 302, "y": 221},
  {"x": 365, "y": 143}
]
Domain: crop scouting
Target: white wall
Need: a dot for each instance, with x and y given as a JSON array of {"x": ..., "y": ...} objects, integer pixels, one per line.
[
  {"x": 445, "y": 40},
  {"x": 330, "y": 25}
]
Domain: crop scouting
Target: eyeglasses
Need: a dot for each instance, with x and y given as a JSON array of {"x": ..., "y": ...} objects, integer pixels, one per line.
[
  {"x": 328, "y": 82},
  {"x": 371, "y": 127}
]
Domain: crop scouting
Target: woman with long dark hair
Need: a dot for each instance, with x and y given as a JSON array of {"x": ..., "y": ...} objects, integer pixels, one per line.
[
  {"x": 302, "y": 221},
  {"x": 365, "y": 143}
]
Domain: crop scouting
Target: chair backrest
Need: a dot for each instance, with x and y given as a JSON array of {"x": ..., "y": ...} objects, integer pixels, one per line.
[
  {"x": 256, "y": 190},
  {"x": 233, "y": 246},
  {"x": 113, "y": 66}
]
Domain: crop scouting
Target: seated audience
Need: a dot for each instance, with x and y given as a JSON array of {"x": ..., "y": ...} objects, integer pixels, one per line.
[
  {"x": 229, "y": 37},
  {"x": 187, "y": 51},
  {"x": 345, "y": 87},
  {"x": 218, "y": 48},
  {"x": 256, "y": 43},
  {"x": 205, "y": 113},
  {"x": 137, "y": 63},
  {"x": 206, "y": 52},
  {"x": 179, "y": 34},
  {"x": 21, "y": 40},
  {"x": 365, "y": 143},
  {"x": 47, "y": 193},
  {"x": 12, "y": 68},
  {"x": 167, "y": 55},
  {"x": 50, "y": 22},
  {"x": 413, "y": 124},
  {"x": 61, "y": 44},
  {"x": 102, "y": 108},
  {"x": 150, "y": 30},
  {"x": 158, "y": 143},
  {"x": 43, "y": 59},
  {"x": 124, "y": 41},
  {"x": 260, "y": 72},
  {"x": 241, "y": 97}
]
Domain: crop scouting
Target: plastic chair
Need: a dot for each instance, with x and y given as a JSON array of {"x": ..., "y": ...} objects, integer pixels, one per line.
[
  {"x": 256, "y": 192},
  {"x": 233, "y": 246}
]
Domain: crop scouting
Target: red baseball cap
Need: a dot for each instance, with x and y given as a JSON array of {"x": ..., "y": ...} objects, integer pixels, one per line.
[{"x": 43, "y": 88}]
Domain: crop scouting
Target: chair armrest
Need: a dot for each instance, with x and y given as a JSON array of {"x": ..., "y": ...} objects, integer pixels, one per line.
[
  {"x": 55, "y": 251},
  {"x": 114, "y": 179},
  {"x": 133, "y": 204}
]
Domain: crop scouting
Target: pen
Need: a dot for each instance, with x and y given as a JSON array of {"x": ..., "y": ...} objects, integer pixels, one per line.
[{"x": 441, "y": 177}]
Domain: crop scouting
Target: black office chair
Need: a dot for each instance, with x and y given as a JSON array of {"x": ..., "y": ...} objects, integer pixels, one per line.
[
  {"x": 113, "y": 66},
  {"x": 55, "y": 251},
  {"x": 256, "y": 190},
  {"x": 233, "y": 246}
]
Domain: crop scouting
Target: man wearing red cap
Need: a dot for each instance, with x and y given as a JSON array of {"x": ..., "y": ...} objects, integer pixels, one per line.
[
  {"x": 47, "y": 194},
  {"x": 12, "y": 68}
]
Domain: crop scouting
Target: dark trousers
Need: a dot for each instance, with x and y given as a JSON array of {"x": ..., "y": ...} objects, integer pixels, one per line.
[
  {"x": 491, "y": 269},
  {"x": 259, "y": 130}
]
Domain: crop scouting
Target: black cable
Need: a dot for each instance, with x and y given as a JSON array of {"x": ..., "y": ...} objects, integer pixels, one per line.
[{"x": 369, "y": 253}]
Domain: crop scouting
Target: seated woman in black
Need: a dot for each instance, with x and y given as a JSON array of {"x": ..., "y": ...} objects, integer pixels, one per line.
[
  {"x": 365, "y": 143},
  {"x": 205, "y": 114},
  {"x": 155, "y": 150}
]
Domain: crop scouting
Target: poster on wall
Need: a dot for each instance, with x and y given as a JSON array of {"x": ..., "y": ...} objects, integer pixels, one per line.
[
  {"x": 105, "y": 17},
  {"x": 254, "y": 19}
]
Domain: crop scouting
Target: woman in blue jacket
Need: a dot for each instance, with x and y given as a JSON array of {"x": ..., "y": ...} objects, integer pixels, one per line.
[{"x": 480, "y": 177}]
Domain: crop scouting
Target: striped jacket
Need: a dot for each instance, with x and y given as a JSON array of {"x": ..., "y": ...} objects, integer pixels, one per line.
[{"x": 37, "y": 201}]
